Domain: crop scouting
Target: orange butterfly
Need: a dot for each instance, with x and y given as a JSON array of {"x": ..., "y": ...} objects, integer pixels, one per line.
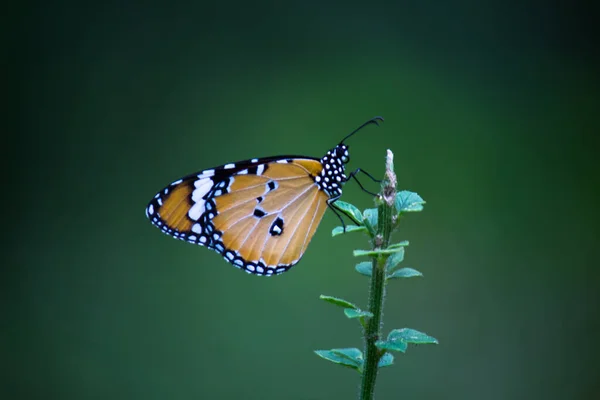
[{"x": 260, "y": 214}]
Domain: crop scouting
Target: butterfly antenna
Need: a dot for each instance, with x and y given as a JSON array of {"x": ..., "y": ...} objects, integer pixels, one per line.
[{"x": 374, "y": 120}]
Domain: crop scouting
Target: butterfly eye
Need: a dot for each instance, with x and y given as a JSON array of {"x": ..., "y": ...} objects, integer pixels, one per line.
[{"x": 342, "y": 153}]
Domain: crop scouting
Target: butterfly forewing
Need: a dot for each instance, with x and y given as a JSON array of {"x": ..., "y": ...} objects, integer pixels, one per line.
[{"x": 259, "y": 214}]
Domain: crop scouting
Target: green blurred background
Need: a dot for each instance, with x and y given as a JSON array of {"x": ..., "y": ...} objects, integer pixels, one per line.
[{"x": 492, "y": 112}]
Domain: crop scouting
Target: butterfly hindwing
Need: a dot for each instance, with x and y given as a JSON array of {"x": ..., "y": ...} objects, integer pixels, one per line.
[{"x": 260, "y": 214}]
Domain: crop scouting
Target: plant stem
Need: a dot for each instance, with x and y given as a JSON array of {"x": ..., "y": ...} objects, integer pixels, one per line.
[{"x": 385, "y": 225}]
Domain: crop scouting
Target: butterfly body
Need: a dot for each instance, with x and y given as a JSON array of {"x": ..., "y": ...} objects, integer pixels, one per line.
[{"x": 259, "y": 214}]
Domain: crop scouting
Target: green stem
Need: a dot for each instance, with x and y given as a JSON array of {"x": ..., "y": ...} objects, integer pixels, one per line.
[{"x": 385, "y": 225}]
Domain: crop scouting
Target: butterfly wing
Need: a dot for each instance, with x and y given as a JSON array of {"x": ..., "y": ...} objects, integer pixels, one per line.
[{"x": 259, "y": 214}]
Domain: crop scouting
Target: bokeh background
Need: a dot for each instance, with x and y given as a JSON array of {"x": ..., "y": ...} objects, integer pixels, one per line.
[{"x": 491, "y": 109}]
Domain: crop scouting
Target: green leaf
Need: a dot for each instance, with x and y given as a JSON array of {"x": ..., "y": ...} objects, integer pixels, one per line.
[
  {"x": 337, "y": 301},
  {"x": 404, "y": 273},
  {"x": 350, "y": 357},
  {"x": 392, "y": 345},
  {"x": 365, "y": 268},
  {"x": 408, "y": 202},
  {"x": 351, "y": 211},
  {"x": 370, "y": 219},
  {"x": 356, "y": 313},
  {"x": 411, "y": 336},
  {"x": 339, "y": 230},
  {"x": 386, "y": 360},
  {"x": 394, "y": 259},
  {"x": 375, "y": 253},
  {"x": 403, "y": 243}
]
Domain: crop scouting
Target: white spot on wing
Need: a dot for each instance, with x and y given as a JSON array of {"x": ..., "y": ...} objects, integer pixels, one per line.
[
  {"x": 196, "y": 210},
  {"x": 260, "y": 169},
  {"x": 282, "y": 161},
  {"x": 254, "y": 160},
  {"x": 229, "y": 166},
  {"x": 202, "y": 187},
  {"x": 243, "y": 172},
  {"x": 197, "y": 228},
  {"x": 150, "y": 209},
  {"x": 177, "y": 182},
  {"x": 206, "y": 174}
]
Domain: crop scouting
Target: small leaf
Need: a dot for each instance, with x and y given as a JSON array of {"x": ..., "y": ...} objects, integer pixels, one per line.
[
  {"x": 403, "y": 243},
  {"x": 351, "y": 211},
  {"x": 360, "y": 253},
  {"x": 370, "y": 219},
  {"x": 404, "y": 273},
  {"x": 350, "y": 357},
  {"x": 337, "y": 301},
  {"x": 408, "y": 202},
  {"x": 365, "y": 268},
  {"x": 356, "y": 313},
  {"x": 386, "y": 360},
  {"x": 411, "y": 336},
  {"x": 393, "y": 345},
  {"x": 339, "y": 230},
  {"x": 394, "y": 259},
  {"x": 375, "y": 253}
]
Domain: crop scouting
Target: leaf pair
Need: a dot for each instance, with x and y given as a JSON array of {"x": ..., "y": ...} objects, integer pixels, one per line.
[
  {"x": 366, "y": 221},
  {"x": 350, "y": 309},
  {"x": 398, "y": 339},
  {"x": 395, "y": 255},
  {"x": 352, "y": 358}
]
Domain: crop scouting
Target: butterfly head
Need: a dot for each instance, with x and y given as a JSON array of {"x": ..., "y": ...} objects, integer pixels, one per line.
[{"x": 341, "y": 151}]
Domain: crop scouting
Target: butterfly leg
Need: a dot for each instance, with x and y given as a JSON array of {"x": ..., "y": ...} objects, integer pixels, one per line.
[
  {"x": 331, "y": 205},
  {"x": 367, "y": 174},
  {"x": 353, "y": 175}
]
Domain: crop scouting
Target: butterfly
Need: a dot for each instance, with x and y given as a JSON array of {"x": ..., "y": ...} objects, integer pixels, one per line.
[{"x": 259, "y": 214}]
